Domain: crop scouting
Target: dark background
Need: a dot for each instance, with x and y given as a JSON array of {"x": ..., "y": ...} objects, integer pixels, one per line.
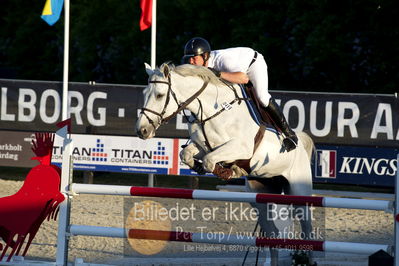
[{"x": 320, "y": 45}]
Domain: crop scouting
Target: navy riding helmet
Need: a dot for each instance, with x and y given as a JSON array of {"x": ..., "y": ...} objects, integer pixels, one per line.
[{"x": 196, "y": 46}]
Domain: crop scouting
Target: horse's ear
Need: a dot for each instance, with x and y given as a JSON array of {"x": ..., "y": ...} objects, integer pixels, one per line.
[
  {"x": 165, "y": 70},
  {"x": 148, "y": 69}
]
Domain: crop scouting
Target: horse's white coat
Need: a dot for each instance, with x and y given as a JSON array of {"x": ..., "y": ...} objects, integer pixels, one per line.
[{"x": 230, "y": 134}]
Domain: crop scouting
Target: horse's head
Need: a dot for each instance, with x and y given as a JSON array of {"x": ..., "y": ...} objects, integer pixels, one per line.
[
  {"x": 158, "y": 105},
  {"x": 170, "y": 90}
]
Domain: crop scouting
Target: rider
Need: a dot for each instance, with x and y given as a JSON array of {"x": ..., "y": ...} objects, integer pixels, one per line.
[{"x": 240, "y": 65}]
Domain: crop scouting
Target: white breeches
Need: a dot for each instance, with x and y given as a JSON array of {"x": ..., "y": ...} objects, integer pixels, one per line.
[{"x": 257, "y": 74}]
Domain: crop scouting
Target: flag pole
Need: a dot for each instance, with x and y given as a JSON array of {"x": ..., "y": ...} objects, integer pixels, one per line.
[
  {"x": 153, "y": 34},
  {"x": 65, "y": 114},
  {"x": 64, "y": 213},
  {"x": 151, "y": 177}
]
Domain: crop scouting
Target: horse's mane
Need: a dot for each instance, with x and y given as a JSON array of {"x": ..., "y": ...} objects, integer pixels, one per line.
[{"x": 197, "y": 71}]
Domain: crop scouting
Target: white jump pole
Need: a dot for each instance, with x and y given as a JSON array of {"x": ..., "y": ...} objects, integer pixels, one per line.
[
  {"x": 151, "y": 178},
  {"x": 294, "y": 244},
  {"x": 62, "y": 239}
]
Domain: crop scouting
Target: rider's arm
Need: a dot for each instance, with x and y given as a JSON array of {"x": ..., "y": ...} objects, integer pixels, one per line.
[{"x": 235, "y": 77}]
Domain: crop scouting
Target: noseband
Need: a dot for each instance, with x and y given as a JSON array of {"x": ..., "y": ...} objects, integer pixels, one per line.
[{"x": 164, "y": 120}]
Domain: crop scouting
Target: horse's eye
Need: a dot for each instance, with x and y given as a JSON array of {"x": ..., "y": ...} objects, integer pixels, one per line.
[{"x": 159, "y": 96}]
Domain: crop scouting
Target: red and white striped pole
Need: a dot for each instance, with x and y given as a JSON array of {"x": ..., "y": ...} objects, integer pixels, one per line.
[{"x": 379, "y": 205}]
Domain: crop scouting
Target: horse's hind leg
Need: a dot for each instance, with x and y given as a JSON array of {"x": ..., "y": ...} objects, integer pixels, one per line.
[
  {"x": 304, "y": 212},
  {"x": 303, "y": 187},
  {"x": 263, "y": 185}
]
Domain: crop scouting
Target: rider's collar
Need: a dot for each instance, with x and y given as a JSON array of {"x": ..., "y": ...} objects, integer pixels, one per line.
[{"x": 211, "y": 59}]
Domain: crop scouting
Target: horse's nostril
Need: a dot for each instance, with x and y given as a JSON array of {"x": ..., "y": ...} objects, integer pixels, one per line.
[{"x": 142, "y": 132}]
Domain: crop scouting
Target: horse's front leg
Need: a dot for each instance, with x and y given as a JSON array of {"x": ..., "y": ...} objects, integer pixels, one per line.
[
  {"x": 229, "y": 152},
  {"x": 191, "y": 152}
]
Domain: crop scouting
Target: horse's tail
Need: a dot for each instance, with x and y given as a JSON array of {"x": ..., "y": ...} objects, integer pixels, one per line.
[{"x": 307, "y": 142}]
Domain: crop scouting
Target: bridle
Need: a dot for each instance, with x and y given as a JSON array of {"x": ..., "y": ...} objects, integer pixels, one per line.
[{"x": 181, "y": 106}]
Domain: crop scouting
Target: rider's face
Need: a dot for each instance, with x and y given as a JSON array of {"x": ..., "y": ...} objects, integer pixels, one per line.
[{"x": 197, "y": 60}]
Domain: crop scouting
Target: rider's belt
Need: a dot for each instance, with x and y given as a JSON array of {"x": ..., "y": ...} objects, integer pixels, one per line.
[{"x": 253, "y": 59}]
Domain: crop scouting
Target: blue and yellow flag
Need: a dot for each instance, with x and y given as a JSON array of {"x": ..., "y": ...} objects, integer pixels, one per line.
[{"x": 52, "y": 11}]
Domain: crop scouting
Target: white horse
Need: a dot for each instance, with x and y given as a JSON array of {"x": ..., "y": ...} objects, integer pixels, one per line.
[{"x": 224, "y": 131}]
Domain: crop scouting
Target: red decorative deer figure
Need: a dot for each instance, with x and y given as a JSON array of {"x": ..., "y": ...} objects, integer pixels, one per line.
[{"x": 22, "y": 214}]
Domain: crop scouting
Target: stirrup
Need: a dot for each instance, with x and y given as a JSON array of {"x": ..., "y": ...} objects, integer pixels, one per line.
[{"x": 290, "y": 143}]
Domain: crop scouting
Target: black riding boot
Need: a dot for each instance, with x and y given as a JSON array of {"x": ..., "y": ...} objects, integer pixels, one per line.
[{"x": 291, "y": 140}]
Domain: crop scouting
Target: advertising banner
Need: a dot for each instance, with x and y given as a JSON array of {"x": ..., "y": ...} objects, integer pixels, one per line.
[
  {"x": 125, "y": 154},
  {"x": 343, "y": 119},
  {"x": 15, "y": 149},
  {"x": 331, "y": 164},
  {"x": 355, "y": 165},
  {"x": 122, "y": 154},
  {"x": 106, "y": 109}
]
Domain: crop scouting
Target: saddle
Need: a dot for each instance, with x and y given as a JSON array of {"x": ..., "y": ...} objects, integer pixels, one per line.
[
  {"x": 241, "y": 167},
  {"x": 260, "y": 113}
]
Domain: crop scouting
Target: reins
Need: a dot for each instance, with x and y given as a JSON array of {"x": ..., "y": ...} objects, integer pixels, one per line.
[
  {"x": 184, "y": 104},
  {"x": 226, "y": 107}
]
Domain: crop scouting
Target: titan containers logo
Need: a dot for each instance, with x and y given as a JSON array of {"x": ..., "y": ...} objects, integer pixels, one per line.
[
  {"x": 97, "y": 153},
  {"x": 159, "y": 155},
  {"x": 326, "y": 164}
]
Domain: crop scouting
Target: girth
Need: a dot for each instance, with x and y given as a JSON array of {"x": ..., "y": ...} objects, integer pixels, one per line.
[{"x": 244, "y": 164}]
